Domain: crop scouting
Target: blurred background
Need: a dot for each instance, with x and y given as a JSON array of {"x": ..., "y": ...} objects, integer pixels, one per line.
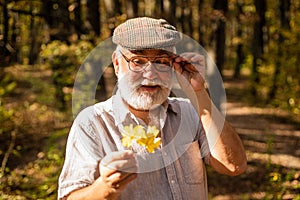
[{"x": 254, "y": 43}]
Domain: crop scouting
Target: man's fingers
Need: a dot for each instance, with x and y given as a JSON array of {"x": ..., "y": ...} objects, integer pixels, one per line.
[
  {"x": 190, "y": 58},
  {"x": 127, "y": 180},
  {"x": 118, "y": 161},
  {"x": 120, "y": 164},
  {"x": 122, "y": 183},
  {"x": 119, "y": 177},
  {"x": 119, "y": 180},
  {"x": 190, "y": 68},
  {"x": 117, "y": 156}
]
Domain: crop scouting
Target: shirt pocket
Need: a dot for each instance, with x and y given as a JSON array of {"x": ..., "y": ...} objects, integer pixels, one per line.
[{"x": 192, "y": 164}]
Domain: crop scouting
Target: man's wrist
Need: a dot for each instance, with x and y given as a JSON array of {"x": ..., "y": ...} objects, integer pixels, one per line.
[
  {"x": 201, "y": 88},
  {"x": 106, "y": 190}
]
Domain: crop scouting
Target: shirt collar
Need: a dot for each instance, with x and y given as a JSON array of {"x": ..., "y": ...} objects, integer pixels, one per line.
[
  {"x": 119, "y": 108},
  {"x": 172, "y": 106}
]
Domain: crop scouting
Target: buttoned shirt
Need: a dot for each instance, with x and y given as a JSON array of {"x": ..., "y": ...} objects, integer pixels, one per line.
[{"x": 175, "y": 171}]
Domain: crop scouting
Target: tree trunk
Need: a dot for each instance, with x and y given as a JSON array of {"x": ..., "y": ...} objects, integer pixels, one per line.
[
  {"x": 77, "y": 18},
  {"x": 186, "y": 17},
  {"x": 201, "y": 24},
  {"x": 3, "y": 51},
  {"x": 171, "y": 12},
  {"x": 117, "y": 7},
  {"x": 239, "y": 51},
  {"x": 222, "y": 7},
  {"x": 5, "y": 23},
  {"x": 113, "y": 9},
  {"x": 258, "y": 43},
  {"x": 284, "y": 8},
  {"x": 135, "y": 7},
  {"x": 182, "y": 16},
  {"x": 56, "y": 14},
  {"x": 159, "y": 5},
  {"x": 32, "y": 53},
  {"x": 93, "y": 16},
  {"x": 132, "y": 8}
]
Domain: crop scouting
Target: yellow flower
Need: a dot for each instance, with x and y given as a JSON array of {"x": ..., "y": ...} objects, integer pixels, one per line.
[
  {"x": 128, "y": 136},
  {"x": 151, "y": 143},
  {"x": 139, "y": 132},
  {"x": 147, "y": 139},
  {"x": 152, "y": 130}
]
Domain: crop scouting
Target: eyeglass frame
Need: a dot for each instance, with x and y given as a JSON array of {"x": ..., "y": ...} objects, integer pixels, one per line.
[{"x": 129, "y": 60}]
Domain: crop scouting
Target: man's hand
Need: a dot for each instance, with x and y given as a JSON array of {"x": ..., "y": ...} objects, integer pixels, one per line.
[
  {"x": 117, "y": 169},
  {"x": 190, "y": 68}
]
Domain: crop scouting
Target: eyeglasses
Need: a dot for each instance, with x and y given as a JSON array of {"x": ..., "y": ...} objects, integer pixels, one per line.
[{"x": 139, "y": 63}]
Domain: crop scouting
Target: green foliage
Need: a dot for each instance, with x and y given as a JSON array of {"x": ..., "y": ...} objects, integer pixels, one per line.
[
  {"x": 36, "y": 126},
  {"x": 64, "y": 60},
  {"x": 6, "y": 119},
  {"x": 286, "y": 58},
  {"x": 38, "y": 179},
  {"x": 279, "y": 68},
  {"x": 6, "y": 87},
  {"x": 281, "y": 182}
]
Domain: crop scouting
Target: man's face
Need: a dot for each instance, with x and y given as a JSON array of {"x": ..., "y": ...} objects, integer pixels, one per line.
[{"x": 146, "y": 88}]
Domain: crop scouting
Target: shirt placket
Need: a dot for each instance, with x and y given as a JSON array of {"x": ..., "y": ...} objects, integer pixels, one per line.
[
  {"x": 172, "y": 178},
  {"x": 168, "y": 158},
  {"x": 169, "y": 161}
]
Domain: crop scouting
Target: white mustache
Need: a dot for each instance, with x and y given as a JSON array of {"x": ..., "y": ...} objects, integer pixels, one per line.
[{"x": 155, "y": 82}]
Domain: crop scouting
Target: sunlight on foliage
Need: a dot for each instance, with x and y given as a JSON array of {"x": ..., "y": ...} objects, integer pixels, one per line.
[{"x": 64, "y": 60}]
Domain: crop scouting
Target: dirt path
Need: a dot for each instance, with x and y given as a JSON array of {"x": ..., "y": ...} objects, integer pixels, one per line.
[{"x": 272, "y": 142}]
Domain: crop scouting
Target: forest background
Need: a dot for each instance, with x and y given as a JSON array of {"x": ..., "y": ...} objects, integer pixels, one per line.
[{"x": 254, "y": 43}]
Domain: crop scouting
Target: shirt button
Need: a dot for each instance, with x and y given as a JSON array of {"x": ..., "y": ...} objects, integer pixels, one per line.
[
  {"x": 165, "y": 154},
  {"x": 172, "y": 181}
]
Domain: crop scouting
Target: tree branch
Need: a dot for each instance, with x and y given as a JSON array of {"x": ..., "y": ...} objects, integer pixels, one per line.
[{"x": 8, "y": 152}]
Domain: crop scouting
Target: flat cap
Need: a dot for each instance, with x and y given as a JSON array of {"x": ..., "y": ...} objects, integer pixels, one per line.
[{"x": 146, "y": 33}]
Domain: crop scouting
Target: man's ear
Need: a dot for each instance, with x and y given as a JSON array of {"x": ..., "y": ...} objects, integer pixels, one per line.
[{"x": 115, "y": 61}]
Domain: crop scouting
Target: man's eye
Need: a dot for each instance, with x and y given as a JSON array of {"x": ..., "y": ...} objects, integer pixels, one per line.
[
  {"x": 163, "y": 61},
  {"x": 139, "y": 61}
]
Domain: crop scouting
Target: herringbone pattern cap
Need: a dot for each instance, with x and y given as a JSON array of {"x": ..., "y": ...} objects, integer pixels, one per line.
[{"x": 146, "y": 33}]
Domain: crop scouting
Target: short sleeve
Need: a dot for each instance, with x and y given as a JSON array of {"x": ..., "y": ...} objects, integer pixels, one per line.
[{"x": 82, "y": 158}]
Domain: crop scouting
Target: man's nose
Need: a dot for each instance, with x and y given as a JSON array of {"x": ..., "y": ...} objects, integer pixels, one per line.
[{"x": 149, "y": 71}]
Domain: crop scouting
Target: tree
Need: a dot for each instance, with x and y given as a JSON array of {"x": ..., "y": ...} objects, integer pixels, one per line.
[
  {"x": 160, "y": 8},
  {"x": 56, "y": 14},
  {"x": 221, "y": 7},
  {"x": 4, "y": 51},
  {"x": 239, "y": 51},
  {"x": 186, "y": 17},
  {"x": 77, "y": 17},
  {"x": 170, "y": 12},
  {"x": 258, "y": 42},
  {"x": 93, "y": 16},
  {"x": 112, "y": 11},
  {"x": 201, "y": 24},
  {"x": 284, "y": 8}
]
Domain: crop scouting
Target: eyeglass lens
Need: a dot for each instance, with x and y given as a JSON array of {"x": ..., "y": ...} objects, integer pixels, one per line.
[{"x": 160, "y": 63}]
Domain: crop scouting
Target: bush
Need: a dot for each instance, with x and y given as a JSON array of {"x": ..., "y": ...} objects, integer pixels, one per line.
[
  {"x": 6, "y": 87},
  {"x": 64, "y": 60}
]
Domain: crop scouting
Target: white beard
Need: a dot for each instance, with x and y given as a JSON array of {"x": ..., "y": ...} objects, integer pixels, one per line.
[{"x": 129, "y": 91}]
